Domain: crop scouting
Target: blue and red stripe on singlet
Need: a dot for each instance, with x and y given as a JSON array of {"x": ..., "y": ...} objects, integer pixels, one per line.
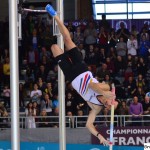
[{"x": 84, "y": 84}]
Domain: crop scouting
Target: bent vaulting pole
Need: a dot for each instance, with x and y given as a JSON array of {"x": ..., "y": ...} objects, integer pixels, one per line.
[
  {"x": 14, "y": 76},
  {"x": 61, "y": 87}
]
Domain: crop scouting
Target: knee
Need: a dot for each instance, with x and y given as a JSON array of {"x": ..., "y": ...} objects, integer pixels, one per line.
[
  {"x": 54, "y": 47},
  {"x": 56, "y": 50}
]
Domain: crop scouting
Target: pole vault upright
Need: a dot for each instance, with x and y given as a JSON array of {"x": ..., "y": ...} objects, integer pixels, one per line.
[
  {"x": 14, "y": 76},
  {"x": 61, "y": 87}
]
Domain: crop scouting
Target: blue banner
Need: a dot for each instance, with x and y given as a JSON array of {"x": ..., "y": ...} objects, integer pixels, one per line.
[{"x": 55, "y": 146}]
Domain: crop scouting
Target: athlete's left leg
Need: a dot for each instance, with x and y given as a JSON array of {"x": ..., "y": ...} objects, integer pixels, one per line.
[{"x": 56, "y": 50}]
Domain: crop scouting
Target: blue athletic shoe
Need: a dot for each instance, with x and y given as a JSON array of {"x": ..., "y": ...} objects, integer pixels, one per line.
[{"x": 50, "y": 10}]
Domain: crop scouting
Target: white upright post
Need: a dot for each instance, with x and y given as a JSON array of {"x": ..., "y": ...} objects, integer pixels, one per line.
[
  {"x": 14, "y": 75},
  {"x": 61, "y": 87}
]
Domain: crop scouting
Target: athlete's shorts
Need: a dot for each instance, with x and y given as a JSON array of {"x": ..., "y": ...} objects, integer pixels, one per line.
[{"x": 71, "y": 64}]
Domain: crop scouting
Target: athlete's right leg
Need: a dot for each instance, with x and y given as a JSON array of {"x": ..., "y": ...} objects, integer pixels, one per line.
[
  {"x": 63, "y": 30},
  {"x": 62, "y": 60}
]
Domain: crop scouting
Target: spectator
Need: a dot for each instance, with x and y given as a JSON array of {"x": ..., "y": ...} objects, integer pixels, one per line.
[
  {"x": 45, "y": 53},
  {"x": 5, "y": 54},
  {"x": 144, "y": 47},
  {"x": 6, "y": 95},
  {"x": 32, "y": 58},
  {"x": 46, "y": 63},
  {"x": 106, "y": 112},
  {"x": 48, "y": 90},
  {"x": 110, "y": 66},
  {"x": 103, "y": 38},
  {"x": 90, "y": 34},
  {"x": 52, "y": 75},
  {"x": 42, "y": 73},
  {"x": 21, "y": 95},
  {"x": 55, "y": 118},
  {"x": 130, "y": 59},
  {"x": 120, "y": 66},
  {"x": 104, "y": 23},
  {"x": 30, "y": 25},
  {"x": 108, "y": 80},
  {"x": 140, "y": 94},
  {"x": 90, "y": 57},
  {"x": 112, "y": 53},
  {"x": 134, "y": 31},
  {"x": 128, "y": 71},
  {"x": 136, "y": 110},
  {"x": 70, "y": 103},
  {"x": 30, "y": 116},
  {"x": 100, "y": 57},
  {"x": 82, "y": 50},
  {"x": 146, "y": 110},
  {"x": 29, "y": 76},
  {"x": 71, "y": 26},
  {"x": 6, "y": 71},
  {"x": 124, "y": 110},
  {"x": 36, "y": 94},
  {"x": 46, "y": 104},
  {"x": 123, "y": 32},
  {"x": 132, "y": 45},
  {"x": 101, "y": 72},
  {"x": 141, "y": 67},
  {"x": 81, "y": 105},
  {"x": 44, "y": 121},
  {"x": 55, "y": 101},
  {"x": 144, "y": 32},
  {"x": 4, "y": 115},
  {"x": 36, "y": 112},
  {"x": 41, "y": 85},
  {"x": 34, "y": 39},
  {"x": 78, "y": 36},
  {"x": 112, "y": 38},
  {"x": 70, "y": 120},
  {"x": 81, "y": 120},
  {"x": 121, "y": 48},
  {"x": 140, "y": 82},
  {"x": 130, "y": 87}
]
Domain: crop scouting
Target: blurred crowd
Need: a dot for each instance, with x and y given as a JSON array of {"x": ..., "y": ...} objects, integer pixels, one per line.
[{"x": 119, "y": 56}]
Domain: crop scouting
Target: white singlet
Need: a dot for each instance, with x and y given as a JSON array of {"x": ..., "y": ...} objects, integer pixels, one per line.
[{"x": 80, "y": 84}]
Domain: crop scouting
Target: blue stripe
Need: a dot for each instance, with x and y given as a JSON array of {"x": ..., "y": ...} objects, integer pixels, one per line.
[
  {"x": 89, "y": 77},
  {"x": 80, "y": 84}
]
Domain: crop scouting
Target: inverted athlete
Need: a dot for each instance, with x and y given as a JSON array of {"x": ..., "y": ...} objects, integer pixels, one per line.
[{"x": 76, "y": 71}]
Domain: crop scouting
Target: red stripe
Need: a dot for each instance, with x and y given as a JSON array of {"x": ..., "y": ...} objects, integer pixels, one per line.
[{"x": 84, "y": 82}]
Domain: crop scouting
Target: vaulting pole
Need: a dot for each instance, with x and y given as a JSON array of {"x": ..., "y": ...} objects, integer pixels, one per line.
[{"x": 14, "y": 76}]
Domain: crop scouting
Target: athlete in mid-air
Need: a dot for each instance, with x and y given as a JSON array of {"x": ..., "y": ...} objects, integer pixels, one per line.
[{"x": 97, "y": 95}]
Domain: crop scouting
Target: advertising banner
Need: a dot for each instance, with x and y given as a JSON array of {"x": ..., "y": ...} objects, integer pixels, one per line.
[{"x": 133, "y": 136}]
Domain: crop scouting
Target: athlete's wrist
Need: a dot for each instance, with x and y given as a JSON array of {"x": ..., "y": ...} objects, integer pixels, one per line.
[{"x": 98, "y": 135}]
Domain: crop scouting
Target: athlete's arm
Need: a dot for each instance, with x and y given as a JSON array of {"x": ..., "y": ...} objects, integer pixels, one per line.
[
  {"x": 95, "y": 109},
  {"x": 102, "y": 89}
]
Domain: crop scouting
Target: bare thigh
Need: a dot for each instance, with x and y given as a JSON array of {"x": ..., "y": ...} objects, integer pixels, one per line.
[{"x": 56, "y": 50}]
